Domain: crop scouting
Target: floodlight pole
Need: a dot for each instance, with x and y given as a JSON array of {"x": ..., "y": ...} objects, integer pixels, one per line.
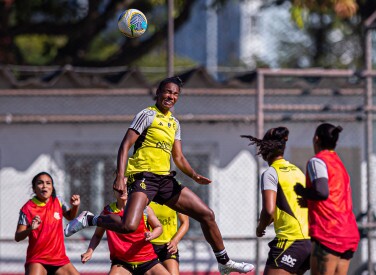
[{"x": 170, "y": 38}]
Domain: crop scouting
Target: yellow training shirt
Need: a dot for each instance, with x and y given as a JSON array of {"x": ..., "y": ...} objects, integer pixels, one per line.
[
  {"x": 169, "y": 221},
  {"x": 152, "y": 150},
  {"x": 290, "y": 220}
]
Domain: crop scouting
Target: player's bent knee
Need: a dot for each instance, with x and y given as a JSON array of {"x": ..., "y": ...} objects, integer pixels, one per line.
[
  {"x": 208, "y": 216},
  {"x": 128, "y": 228}
]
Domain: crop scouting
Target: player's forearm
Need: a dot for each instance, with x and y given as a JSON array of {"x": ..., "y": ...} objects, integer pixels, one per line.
[
  {"x": 94, "y": 242},
  {"x": 266, "y": 218},
  {"x": 71, "y": 213},
  {"x": 183, "y": 229},
  {"x": 21, "y": 235},
  {"x": 122, "y": 160},
  {"x": 319, "y": 190},
  {"x": 184, "y": 166},
  {"x": 157, "y": 231}
]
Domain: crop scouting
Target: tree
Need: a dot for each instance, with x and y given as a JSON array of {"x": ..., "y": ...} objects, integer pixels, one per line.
[
  {"x": 84, "y": 33},
  {"x": 335, "y": 29},
  {"x": 81, "y": 33}
]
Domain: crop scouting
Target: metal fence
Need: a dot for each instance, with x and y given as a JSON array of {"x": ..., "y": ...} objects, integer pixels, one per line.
[{"x": 82, "y": 154}]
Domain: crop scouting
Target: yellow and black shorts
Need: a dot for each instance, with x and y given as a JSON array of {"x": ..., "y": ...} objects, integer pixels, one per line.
[
  {"x": 163, "y": 254},
  {"x": 290, "y": 255},
  {"x": 158, "y": 188}
]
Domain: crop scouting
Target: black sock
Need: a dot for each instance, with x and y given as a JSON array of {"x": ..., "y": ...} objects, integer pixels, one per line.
[
  {"x": 92, "y": 220},
  {"x": 222, "y": 256}
]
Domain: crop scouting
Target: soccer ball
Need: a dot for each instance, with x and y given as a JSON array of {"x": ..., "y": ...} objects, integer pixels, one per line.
[{"x": 132, "y": 23}]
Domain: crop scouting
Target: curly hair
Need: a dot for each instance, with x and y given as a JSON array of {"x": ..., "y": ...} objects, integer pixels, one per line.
[{"x": 273, "y": 143}]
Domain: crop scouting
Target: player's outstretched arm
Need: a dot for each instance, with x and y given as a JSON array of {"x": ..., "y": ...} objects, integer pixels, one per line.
[
  {"x": 72, "y": 212},
  {"x": 182, "y": 163},
  {"x": 95, "y": 240}
]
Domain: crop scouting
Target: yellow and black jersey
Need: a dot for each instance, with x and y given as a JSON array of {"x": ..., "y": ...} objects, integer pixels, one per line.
[
  {"x": 169, "y": 220},
  {"x": 290, "y": 220},
  {"x": 152, "y": 150}
]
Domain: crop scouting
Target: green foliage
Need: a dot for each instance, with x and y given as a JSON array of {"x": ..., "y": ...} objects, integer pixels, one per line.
[
  {"x": 39, "y": 49},
  {"x": 100, "y": 49},
  {"x": 297, "y": 16},
  {"x": 59, "y": 32}
]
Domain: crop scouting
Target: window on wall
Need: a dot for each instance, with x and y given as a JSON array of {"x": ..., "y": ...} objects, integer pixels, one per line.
[
  {"x": 90, "y": 176},
  {"x": 200, "y": 162}
]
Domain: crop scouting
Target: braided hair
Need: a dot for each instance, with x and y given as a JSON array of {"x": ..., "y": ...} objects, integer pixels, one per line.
[
  {"x": 328, "y": 135},
  {"x": 273, "y": 143}
]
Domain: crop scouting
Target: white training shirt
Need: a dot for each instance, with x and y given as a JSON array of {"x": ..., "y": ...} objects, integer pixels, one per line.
[
  {"x": 316, "y": 169},
  {"x": 145, "y": 118},
  {"x": 269, "y": 179}
]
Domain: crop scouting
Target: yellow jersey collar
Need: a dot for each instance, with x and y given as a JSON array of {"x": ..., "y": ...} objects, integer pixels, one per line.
[{"x": 38, "y": 202}]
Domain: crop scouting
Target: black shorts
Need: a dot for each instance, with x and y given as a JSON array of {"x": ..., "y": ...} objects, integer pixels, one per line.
[
  {"x": 51, "y": 269},
  {"x": 163, "y": 254},
  {"x": 292, "y": 256},
  {"x": 158, "y": 188},
  {"x": 136, "y": 269},
  {"x": 347, "y": 255}
]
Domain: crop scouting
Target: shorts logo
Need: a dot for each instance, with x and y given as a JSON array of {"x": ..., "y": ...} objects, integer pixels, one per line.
[
  {"x": 142, "y": 184},
  {"x": 57, "y": 216},
  {"x": 288, "y": 260}
]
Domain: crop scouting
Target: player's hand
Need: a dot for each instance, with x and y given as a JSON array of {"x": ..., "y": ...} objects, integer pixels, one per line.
[
  {"x": 75, "y": 200},
  {"x": 120, "y": 184},
  {"x": 172, "y": 247},
  {"x": 86, "y": 256},
  {"x": 148, "y": 236},
  {"x": 299, "y": 189},
  {"x": 35, "y": 222},
  {"x": 201, "y": 179},
  {"x": 260, "y": 232},
  {"x": 302, "y": 202}
]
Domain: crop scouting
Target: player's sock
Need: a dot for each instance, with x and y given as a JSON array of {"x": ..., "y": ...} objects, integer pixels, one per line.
[
  {"x": 92, "y": 220},
  {"x": 222, "y": 256}
]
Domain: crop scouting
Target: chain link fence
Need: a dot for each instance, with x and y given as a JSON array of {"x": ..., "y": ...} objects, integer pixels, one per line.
[
  {"x": 77, "y": 143},
  {"x": 70, "y": 121}
]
